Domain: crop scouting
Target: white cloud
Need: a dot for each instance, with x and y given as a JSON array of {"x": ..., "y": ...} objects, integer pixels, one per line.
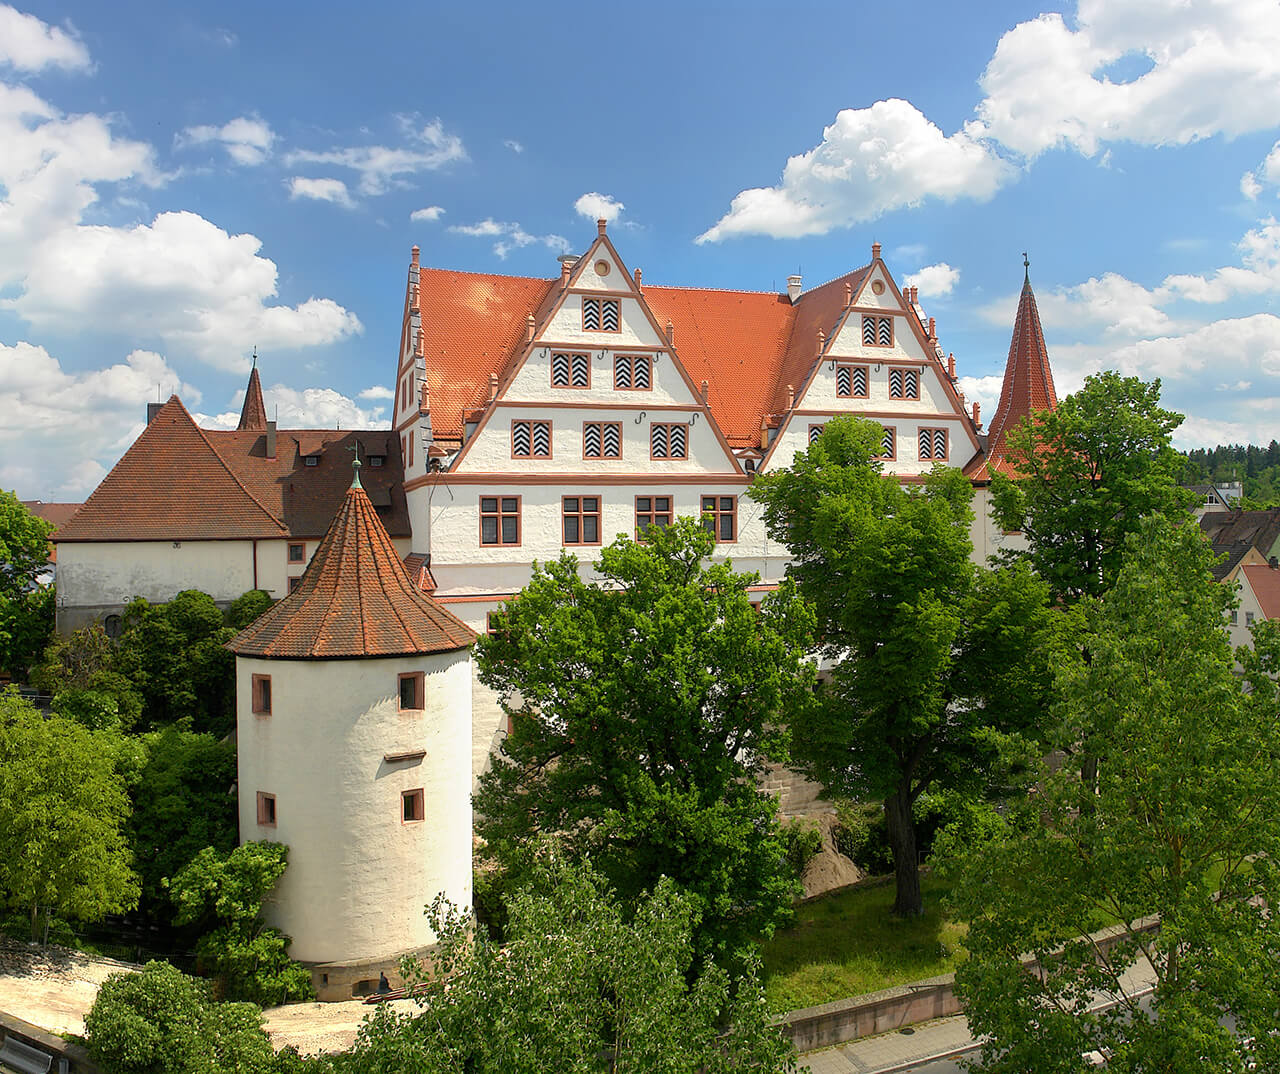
[
  {"x": 429, "y": 215},
  {"x": 27, "y": 44},
  {"x": 247, "y": 139},
  {"x": 510, "y": 236},
  {"x": 1209, "y": 67},
  {"x": 1249, "y": 186},
  {"x": 332, "y": 190},
  {"x": 377, "y": 392},
  {"x": 934, "y": 280},
  {"x": 306, "y": 408},
  {"x": 598, "y": 207},
  {"x": 427, "y": 148},
  {"x": 985, "y": 391},
  {"x": 60, "y": 431},
  {"x": 513, "y": 145},
  {"x": 870, "y": 161},
  {"x": 181, "y": 280}
]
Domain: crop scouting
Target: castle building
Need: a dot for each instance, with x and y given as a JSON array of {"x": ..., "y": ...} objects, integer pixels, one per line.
[{"x": 353, "y": 729}]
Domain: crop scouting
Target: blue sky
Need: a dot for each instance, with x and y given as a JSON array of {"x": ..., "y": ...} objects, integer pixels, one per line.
[{"x": 182, "y": 183}]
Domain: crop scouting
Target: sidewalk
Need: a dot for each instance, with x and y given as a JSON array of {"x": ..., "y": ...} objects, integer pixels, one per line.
[{"x": 942, "y": 1038}]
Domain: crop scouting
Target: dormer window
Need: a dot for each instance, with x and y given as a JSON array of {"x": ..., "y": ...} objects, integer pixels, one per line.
[
  {"x": 601, "y": 315},
  {"x": 377, "y": 460},
  {"x": 312, "y": 460}
]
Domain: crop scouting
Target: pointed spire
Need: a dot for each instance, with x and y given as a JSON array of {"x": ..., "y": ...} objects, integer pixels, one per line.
[
  {"x": 254, "y": 414},
  {"x": 1028, "y": 379}
]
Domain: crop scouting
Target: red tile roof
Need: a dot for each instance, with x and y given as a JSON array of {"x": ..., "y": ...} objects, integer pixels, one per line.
[
  {"x": 254, "y": 413},
  {"x": 1028, "y": 383},
  {"x": 355, "y": 600},
  {"x": 179, "y": 482},
  {"x": 1264, "y": 580}
]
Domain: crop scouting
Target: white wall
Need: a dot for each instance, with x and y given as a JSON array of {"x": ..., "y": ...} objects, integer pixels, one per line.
[{"x": 358, "y": 876}]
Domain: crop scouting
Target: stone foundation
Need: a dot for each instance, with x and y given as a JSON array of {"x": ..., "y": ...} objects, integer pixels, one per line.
[{"x": 336, "y": 981}]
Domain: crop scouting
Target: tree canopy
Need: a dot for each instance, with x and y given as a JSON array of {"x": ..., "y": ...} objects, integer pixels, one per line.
[
  {"x": 580, "y": 986},
  {"x": 26, "y": 606},
  {"x": 939, "y": 669},
  {"x": 1181, "y": 821},
  {"x": 1086, "y": 473},
  {"x": 63, "y": 807},
  {"x": 642, "y": 706}
]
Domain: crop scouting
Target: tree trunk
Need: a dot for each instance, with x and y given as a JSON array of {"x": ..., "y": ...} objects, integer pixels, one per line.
[
  {"x": 35, "y": 923},
  {"x": 902, "y": 840}
]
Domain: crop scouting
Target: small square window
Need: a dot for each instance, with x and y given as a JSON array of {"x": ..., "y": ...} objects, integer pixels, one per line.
[
  {"x": 411, "y": 691},
  {"x": 297, "y": 553},
  {"x": 851, "y": 381},
  {"x": 602, "y": 440},
  {"x": 720, "y": 516},
  {"x": 601, "y": 315},
  {"x": 632, "y": 372},
  {"x": 652, "y": 511},
  {"x": 904, "y": 384},
  {"x": 570, "y": 370},
  {"x": 499, "y": 520},
  {"x": 294, "y": 583},
  {"x": 668, "y": 440},
  {"x": 267, "y": 809},
  {"x": 312, "y": 460},
  {"x": 377, "y": 460},
  {"x": 261, "y": 693},
  {"x": 581, "y": 519},
  {"x": 1248, "y": 618},
  {"x": 412, "y": 806},
  {"x": 877, "y": 331},
  {"x": 932, "y": 444},
  {"x": 531, "y": 439}
]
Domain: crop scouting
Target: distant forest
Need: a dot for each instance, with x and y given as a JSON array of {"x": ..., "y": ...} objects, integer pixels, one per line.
[{"x": 1257, "y": 468}]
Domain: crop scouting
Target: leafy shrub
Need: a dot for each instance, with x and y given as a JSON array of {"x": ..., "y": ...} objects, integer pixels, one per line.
[{"x": 802, "y": 842}]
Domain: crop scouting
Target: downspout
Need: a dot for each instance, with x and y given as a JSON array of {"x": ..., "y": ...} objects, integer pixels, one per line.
[{"x": 255, "y": 563}]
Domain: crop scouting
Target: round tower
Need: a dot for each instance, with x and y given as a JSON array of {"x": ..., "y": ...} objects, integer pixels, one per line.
[{"x": 353, "y": 723}]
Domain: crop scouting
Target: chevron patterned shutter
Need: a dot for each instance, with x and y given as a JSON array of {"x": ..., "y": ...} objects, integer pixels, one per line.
[
  {"x": 679, "y": 441},
  {"x": 559, "y": 370},
  {"x": 911, "y": 384},
  {"x": 542, "y": 439},
  {"x": 520, "y": 439},
  {"x": 859, "y": 381},
  {"x": 591, "y": 314},
  {"x": 888, "y": 445},
  {"x": 591, "y": 440},
  {"x": 926, "y": 443},
  {"x": 868, "y": 331},
  {"x": 581, "y": 370},
  {"x": 658, "y": 441},
  {"x": 895, "y": 383},
  {"x": 622, "y": 371},
  {"x": 939, "y": 443},
  {"x": 642, "y": 372},
  {"x": 609, "y": 315},
  {"x": 611, "y": 440},
  {"x": 815, "y": 431},
  {"x": 885, "y": 332},
  {"x": 844, "y": 380}
]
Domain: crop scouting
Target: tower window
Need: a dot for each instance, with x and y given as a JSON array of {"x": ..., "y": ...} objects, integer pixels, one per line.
[
  {"x": 267, "y": 809},
  {"x": 261, "y": 692},
  {"x": 412, "y": 691},
  {"x": 412, "y": 806}
]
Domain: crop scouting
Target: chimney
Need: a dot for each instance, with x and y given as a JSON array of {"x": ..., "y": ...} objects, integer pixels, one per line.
[
  {"x": 564, "y": 275},
  {"x": 706, "y": 387},
  {"x": 528, "y": 328},
  {"x": 951, "y": 366},
  {"x": 875, "y": 251},
  {"x": 933, "y": 330},
  {"x": 793, "y": 287},
  {"x": 152, "y": 410},
  {"x": 638, "y": 280},
  {"x": 271, "y": 440},
  {"x": 671, "y": 333},
  {"x": 413, "y": 256},
  {"x": 977, "y": 412},
  {"x": 601, "y": 224}
]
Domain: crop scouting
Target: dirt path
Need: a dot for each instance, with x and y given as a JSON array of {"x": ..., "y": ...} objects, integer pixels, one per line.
[{"x": 53, "y": 988}]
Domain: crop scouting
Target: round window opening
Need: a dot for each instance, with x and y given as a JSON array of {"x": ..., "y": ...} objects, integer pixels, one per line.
[
  {"x": 602, "y": 267},
  {"x": 877, "y": 287}
]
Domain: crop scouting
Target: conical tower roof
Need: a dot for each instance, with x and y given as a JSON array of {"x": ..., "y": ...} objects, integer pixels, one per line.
[
  {"x": 355, "y": 600},
  {"x": 253, "y": 415},
  {"x": 1028, "y": 380}
]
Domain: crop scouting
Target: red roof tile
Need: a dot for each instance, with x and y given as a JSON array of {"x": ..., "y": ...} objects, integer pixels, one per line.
[
  {"x": 254, "y": 413},
  {"x": 355, "y": 600},
  {"x": 171, "y": 485},
  {"x": 1028, "y": 383},
  {"x": 1264, "y": 580}
]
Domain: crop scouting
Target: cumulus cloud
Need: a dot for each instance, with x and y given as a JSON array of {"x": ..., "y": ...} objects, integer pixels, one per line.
[
  {"x": 429, "y": 215},
  {"x": 870, "y": 161},
  {"x": 1206, "y": 68},
  {"x": 27, "y": 44},
  {"x": 510, "y": 236},
  {"x": 181, "y": 280},
  {"x": 247, "y": 139},
  {"x": 332, "y": 190},
  {"x": 985, "y": 391},
  {"x": 934, "y": 280},
  {"x": 380, "y": 167},
  {"x": 377, "y": 392},
  {"x": 106, "y": 408},
  {"x": 304, "y": 408},
  {"x": 598, "y": 207}
]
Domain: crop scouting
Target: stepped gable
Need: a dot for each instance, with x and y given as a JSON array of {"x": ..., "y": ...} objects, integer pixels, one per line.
[
  {"x": 355, "y": 600},
  {"x": 474, "y": 325},
  {"x": 253, "y": 415},
  {"x": 171, "y": 485},
  {"x": 1028, "y": 383}
]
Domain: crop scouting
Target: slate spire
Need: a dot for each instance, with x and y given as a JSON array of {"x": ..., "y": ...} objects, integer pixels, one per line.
[{"x": 253, "y": 416}]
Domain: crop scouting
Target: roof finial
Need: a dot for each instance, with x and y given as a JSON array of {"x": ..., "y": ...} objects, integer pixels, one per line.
[
  {"x": 355, "y": 465},
  {"x": 255, "y": 356},
  {"x": 1026, "y": 268}
]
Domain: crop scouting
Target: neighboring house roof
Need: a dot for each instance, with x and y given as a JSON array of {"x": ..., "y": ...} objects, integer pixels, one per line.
[
  {"x": 1242, "y": 552},
  {"x": 180, "y": 482},
  {"x": 417, "y": 565},
  {"x": 1226, "y": 529},
  {"x": 1028, "y": 384},
  {"x": 1264, "y": 580},
  {"x": 57, "y": 513},
  {"x": 355, "y": 600},
  {"x": 253, "y": 415}
]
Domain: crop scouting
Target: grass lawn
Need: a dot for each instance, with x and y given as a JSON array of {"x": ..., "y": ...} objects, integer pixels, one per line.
[{"x": 846, "y": 944}]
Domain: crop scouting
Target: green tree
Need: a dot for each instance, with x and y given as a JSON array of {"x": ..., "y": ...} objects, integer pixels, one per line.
[
  {"x": 580, "y": 986},
  {"x": 160, "y": 1021},
  {"x": 62, "y": 810},
  {"x": 247, "y": 607},
  {"x": 81, "y": 671},
  {"x": 1183, "y": 822},
  {"x": 222, "y": 894},
  {"x": 1087, "y": 472},
  {"x": 939, "y": 669},
  {"x": 182, "y": 803},
  {"x": 173, "y": 654},
  {"x": 642, "y": 706},
  {"x": 26, "y": 607}
]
